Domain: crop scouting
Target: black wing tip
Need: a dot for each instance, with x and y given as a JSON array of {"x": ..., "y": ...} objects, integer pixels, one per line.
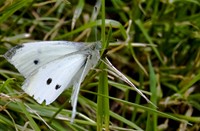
[{"x": 10, "y": 53}]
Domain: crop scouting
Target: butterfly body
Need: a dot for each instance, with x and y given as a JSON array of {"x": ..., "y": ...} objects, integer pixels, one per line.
[{"x": 50, "y": 67}]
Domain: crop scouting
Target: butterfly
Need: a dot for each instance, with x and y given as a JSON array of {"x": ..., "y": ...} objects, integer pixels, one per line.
[{"x": 50, "y": 67}]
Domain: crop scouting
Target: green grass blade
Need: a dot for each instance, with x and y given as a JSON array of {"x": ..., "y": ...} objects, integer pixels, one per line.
[
  {"x": 28, "y": 115},
  {"x": 144, "y": 31},
  {"x": 9, "y": 11},
  {"x": 152, "y": 117}
]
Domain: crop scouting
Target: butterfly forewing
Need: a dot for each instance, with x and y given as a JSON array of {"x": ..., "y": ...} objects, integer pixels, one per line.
[
  {"x": 29, "y": 57},
  {"x": 52, "y": 79}
]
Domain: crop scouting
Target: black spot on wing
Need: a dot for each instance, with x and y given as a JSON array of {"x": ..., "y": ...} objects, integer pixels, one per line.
[
  {"x": 10, "y": 53},
  {"x": 36, "y": 61},
  {"x": 57, "y": 87},
  {"x": 49, "y": 81}
]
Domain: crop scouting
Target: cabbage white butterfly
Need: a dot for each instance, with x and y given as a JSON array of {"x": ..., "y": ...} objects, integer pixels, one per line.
[{"x": 50, "y": 67}]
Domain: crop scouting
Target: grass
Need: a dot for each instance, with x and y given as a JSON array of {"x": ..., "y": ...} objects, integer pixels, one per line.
[{"x": 154, "y": 43}]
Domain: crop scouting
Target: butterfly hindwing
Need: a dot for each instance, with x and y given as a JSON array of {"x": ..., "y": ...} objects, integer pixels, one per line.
[{"x": 91, "y": 61}]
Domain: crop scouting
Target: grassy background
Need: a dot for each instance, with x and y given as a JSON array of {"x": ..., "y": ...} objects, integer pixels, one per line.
[{"x": 156, "y": 44}]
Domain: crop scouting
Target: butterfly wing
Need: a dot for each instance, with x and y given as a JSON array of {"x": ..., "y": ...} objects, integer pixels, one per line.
[
  {"x": 53, "y": 66},
  {"x": 29, "y": 57},
  {"x": 91, "y": 61},
  {"x": 52, "y": 79}
]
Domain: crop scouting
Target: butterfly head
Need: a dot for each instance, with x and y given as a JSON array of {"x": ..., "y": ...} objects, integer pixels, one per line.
[{"x": 98, "y": 45}]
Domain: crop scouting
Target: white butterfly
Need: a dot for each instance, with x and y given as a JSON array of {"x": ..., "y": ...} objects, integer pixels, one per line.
[{"x": 50, "y": 67}]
